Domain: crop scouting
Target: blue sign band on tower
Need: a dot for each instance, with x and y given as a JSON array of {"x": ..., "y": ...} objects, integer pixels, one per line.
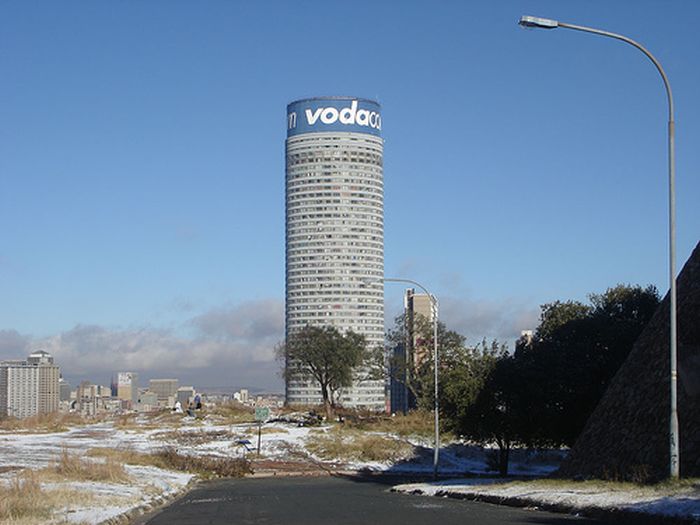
[{"x": 318, "y": 115}]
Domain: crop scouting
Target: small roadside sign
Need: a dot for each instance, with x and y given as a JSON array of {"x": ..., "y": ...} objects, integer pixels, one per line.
[{"x": 262, "y": 414}]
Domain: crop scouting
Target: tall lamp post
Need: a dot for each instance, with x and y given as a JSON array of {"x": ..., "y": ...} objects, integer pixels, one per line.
[
  {"x": 545, "y": 23},
  {"x": 436, "y": 406}
]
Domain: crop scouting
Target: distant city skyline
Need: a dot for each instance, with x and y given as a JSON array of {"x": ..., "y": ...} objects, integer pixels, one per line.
[{"x": 141, "y": 197}]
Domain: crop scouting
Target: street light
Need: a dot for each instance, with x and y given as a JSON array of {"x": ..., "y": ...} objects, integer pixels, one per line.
[
  {"x": 434, "y": 308},
  {"x": 545, "y": 23}
]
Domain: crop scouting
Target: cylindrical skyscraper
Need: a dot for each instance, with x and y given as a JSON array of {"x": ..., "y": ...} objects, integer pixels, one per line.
[{"x": 335, "y": 230}]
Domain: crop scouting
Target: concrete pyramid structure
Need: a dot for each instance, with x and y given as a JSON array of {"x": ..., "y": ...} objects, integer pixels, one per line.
[{"x": 627, "y": 436}]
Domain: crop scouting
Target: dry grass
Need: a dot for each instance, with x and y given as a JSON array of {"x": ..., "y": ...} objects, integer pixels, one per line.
[
  {"x": 165, "y": 417},
  {"x": 169, "y": 459},
  {"x": 292, "y": 409},
  {"x": 42, "y": 423},
  {"x": 148, "y": 421},
  {"x": 24, "y": 501},
  {"x": 198, "y": 437},
  {"x": 688, "y": 487},
  {"x": 353, "y": 445},
  {"x": 126, "y": 422},
  {"x": 231, "y": 413},
  {"x": 23, "y": 498},
  {"x": 75, "y": 468},
  {"x": 415, "y": 423},
  {"x": 253, "y": 431}
]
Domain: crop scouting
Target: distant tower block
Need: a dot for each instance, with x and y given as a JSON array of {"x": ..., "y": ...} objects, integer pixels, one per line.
[{"x": 335, "y": 229}]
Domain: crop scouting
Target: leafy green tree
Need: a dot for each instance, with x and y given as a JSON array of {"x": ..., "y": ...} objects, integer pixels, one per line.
[
  {"x": 543, "y": 394},
  {"x": 557, "y": 314},
  {"x": 478, "y": 402},
  {"x": 328, "y": 357},
  {"x": 577, "y": 349},
  {"x": 416, "y": 369}
]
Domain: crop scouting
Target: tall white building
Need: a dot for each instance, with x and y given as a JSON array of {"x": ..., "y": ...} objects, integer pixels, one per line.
[
  {"x": 29, "y": 388},
  {"x": 128, "y": 386},
  {"x": 335, "y": 230}
]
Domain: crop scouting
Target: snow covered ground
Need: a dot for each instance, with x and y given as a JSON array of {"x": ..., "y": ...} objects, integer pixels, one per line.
[
  {"x": 20, "y": 450},
  {"x": 286, "y": 444},
  {"x": 25, "y": 450},
  {"x": 585, "y": 498}
]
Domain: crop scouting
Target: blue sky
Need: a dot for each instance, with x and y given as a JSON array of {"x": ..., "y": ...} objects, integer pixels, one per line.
[{"x": 142, "y": 166}]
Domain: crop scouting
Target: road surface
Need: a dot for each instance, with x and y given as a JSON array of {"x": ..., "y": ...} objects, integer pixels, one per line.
[{"x": 335, "y": 501}]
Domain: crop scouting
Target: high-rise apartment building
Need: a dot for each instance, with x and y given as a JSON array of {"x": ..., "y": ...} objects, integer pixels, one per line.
[
  {"x": 29, "y": 388},
  {"x": 335, "y": 230},
  {"x": 417, "y": 305},
  {"x": 410, "y": 354}
]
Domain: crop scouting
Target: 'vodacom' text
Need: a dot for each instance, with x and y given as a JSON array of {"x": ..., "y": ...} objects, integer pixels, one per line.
[{"x": 348, "y": 115}]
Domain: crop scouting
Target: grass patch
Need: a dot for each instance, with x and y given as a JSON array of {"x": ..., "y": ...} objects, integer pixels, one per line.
[
  {"x": 149, "y": 421},
  {"x": 23, "y": 500},
  {"x": 198, "y": 437},
  {"x": 42, "y": 423},
  {"x": 231, "y": 413},
  {"x": 354, "y": 445},
  {"x": 165, "y": 417},
  {"x": 661, "y": 489},
  {"x": 127, "y": 422},
  {"x": 169, "y": 459},
  {"x": 75, "y": 468},
  {"x": 415, "y": 423},
  {"x": 253, "y": 431}
]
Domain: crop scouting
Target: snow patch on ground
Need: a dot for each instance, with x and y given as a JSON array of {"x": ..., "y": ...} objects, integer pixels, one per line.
[
  {"x": 282, "y": 441},
  {"x": 572, "y": 496}
]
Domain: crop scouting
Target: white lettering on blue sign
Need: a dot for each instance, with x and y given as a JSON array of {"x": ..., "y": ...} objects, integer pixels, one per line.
[{"x": 348, "y": 115}]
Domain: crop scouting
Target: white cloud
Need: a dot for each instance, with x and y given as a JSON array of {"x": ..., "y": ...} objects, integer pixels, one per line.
[
  {"x": 232, "y": 346},
  {"x": 476, "y": 319},
  {"x": 13, "y": 345},
  {"x": 253, "y": 320}
]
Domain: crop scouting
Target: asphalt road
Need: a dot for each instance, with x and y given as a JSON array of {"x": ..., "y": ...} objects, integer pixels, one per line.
[{"x": 335, "y": 501}]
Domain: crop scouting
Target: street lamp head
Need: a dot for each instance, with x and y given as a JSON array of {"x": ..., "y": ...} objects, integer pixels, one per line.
[{"x": 534, "y": 21}]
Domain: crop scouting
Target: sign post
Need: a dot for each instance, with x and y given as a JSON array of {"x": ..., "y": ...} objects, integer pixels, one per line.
[{"x": 261, "y": 414}]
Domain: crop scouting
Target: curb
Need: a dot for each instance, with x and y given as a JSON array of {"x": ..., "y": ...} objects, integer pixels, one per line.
[
  {"x": 129, "y": 517},
  {"x": 609, "y": 515}
]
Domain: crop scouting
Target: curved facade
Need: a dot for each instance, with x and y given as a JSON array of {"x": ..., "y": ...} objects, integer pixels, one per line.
[{"x": 335, "y": 230}]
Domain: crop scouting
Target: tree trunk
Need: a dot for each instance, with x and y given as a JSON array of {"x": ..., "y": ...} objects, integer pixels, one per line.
[
  {"x": 503, "y": 457},
  {"x": 327, "y": 403}
]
